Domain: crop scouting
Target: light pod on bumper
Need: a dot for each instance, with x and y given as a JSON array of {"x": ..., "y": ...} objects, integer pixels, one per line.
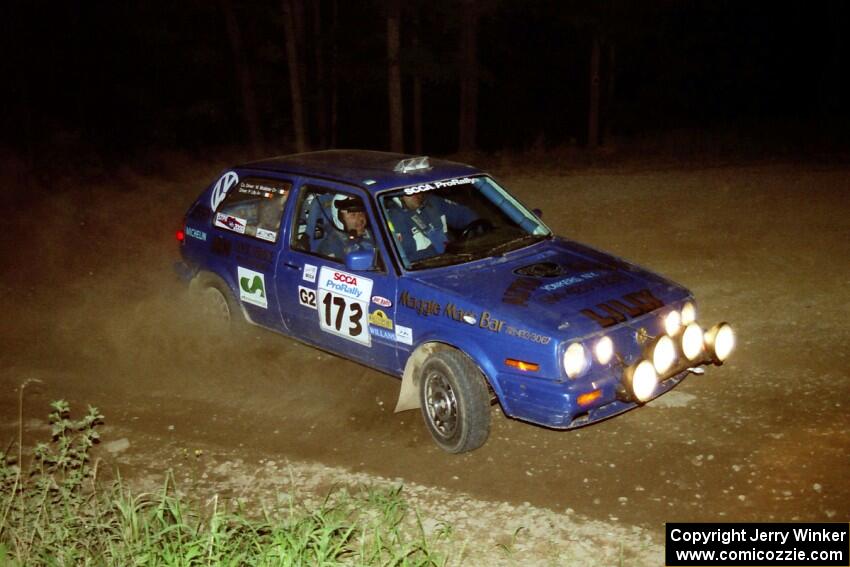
[
  {"x": 692, "y": 342},
  {"x": 672, "y": 322},
  {"x": 604, "y": 350},
  {"x": 720, "y": 341},
  {"x": 641, "y": 380},
  {"x": 663, "y": 354}
]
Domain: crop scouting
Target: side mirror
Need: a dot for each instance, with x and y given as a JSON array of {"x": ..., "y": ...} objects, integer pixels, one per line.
[
  {"x": 360, "y": 260},
  {"x": 538, "y": 213}
]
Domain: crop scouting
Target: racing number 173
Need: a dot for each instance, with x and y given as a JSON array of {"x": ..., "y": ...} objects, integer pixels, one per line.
[{"x": 355, "y": 315}]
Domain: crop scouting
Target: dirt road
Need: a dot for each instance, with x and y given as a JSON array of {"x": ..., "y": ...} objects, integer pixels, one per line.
[{"x": 92, "y": 309}]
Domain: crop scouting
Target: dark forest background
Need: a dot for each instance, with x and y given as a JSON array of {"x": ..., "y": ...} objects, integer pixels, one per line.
[{"x": 117, "y": 78}]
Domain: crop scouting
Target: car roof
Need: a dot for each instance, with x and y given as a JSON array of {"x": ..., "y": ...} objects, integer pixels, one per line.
[{"x": 370, "y": 170}]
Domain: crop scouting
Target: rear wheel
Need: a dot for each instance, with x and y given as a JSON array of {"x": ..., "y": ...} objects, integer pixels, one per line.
[
  {"x": 455, "y": 401},
  {"x": 217, "y": 304}
]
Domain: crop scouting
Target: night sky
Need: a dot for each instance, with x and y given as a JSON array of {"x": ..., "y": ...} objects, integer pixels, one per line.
[{"x": 114, "y": 78}]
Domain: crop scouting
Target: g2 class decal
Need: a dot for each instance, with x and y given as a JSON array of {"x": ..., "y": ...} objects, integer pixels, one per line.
[{"x": 307, "y": 297}]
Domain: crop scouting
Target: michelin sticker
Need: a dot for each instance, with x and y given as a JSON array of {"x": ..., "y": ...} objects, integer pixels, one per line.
[
  {"x": 343, "y": 305},
  {"x": 224, "y": 184},
  {"x": 309, "y": 273},
  {"x": 252, "y": 287}
]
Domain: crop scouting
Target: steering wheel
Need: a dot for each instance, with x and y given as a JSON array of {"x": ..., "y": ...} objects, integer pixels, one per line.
[{"x": 476, "y": 228}]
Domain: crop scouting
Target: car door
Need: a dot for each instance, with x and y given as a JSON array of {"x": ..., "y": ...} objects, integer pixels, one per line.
[
  {"x": 345, "y": 311},
  {"x": 246, "y": 237}
]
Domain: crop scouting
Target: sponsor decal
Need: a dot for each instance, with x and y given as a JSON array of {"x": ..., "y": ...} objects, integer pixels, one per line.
[
  {"x": 404, "y": 335},
  {"x": 438, "y": 185},
  {"x": 264, "y": 234},
  {"x": 382, "y": 301},
  {"x": 554, "y": 286},
  {"x": 429, "y": 308},
  {"x": 222, "y": 186},
  {"x": 520, "y": 291},
  {"x": 252, "y": 287},
  {"x": 307, "y": 297},
  {"x": 616, "y": 311},
  {"x": 230, "y": 222},
  {"x": 423, "y": 307},
  {"x": 527, "y": 335},
  {"x": 380, "y": 319},
  {"x": 195, "y": 233},
  {"x": 343, "y": 305},
  {"x": 582, "y": 287},
  {"x": 382, "y": 333},
  {"x": 309, "y": 274}
]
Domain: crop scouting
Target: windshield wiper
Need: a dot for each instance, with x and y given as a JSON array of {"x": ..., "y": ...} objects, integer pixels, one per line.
[
  {"x": 441, "y": 260},
  {"x": 515, "y": 243}
]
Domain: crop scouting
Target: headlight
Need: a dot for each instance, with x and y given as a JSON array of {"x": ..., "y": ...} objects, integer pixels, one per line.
[
  {"x": 663, "y": 354},
  {"x": 721, "y": 340},
  {"x": 604, "y": 350},
  {"x": 692, "y": 341},
  {"x": 689, "y": 313},
  {"x": 672, "y": 322},
  {"x": 643, "y": 381},
  {"x": 575, "y": 360}
]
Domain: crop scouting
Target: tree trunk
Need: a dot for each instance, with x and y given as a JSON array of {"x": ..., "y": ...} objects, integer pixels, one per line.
[
  {"x": 295, "y": 74},
  {"x": 334, "y": 72},
  {"x": 611, "y": 76},
  {"x": 321, "y": 103},
  {"x": 468, "y": 120},
  {"x": 243, "y": 75},
  {"x": 417, "y": 92},
  {"x": 593, "y": 110},
  {"x": 394, "y": 82}
]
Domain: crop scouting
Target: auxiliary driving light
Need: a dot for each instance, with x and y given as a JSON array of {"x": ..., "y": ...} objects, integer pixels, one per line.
[
  {"x": 641, "y": 381},
  {"x": 663, "y": 354},
  {"x": 604, "y": 350},
  {"x": 689, "y": 313},
  {"x": 692, "y": 341},
  {"x": 720, "y": 341},
  {"x": 575, "y": 360},
  {"x": 672, "y": 322}
]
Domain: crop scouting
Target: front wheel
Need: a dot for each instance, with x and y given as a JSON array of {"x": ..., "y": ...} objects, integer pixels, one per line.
[{"x": 455, "y": 401}]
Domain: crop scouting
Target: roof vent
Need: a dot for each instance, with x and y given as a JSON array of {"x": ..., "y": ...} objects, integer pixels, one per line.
[{"x": 412, "y": 164}]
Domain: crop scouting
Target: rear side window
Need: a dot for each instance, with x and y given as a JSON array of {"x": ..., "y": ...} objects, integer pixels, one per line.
[{"x": 254, "y": 208}]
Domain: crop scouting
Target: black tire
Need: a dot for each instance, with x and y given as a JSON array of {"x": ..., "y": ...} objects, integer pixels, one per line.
[
  {"x": 455, "y": 401},
  {"x": 217, "y": 303}
]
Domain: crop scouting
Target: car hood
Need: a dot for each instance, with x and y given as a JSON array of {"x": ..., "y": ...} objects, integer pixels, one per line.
[{"x": 558, "y": 287}]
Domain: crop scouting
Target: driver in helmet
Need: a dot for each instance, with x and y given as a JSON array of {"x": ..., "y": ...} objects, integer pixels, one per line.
[
  {"x": 422, "y": 223},
  {"x": 352, "y": 229}
]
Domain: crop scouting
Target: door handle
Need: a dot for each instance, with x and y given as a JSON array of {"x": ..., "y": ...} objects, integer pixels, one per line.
[{"x": 292, "y": 266}]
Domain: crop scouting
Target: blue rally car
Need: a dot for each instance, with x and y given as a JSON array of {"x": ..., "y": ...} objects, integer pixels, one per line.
[{"x": 430, "y": 271}]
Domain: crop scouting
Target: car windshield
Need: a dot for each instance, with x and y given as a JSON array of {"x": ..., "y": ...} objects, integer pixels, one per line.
[{"x": 457, "y": 220}]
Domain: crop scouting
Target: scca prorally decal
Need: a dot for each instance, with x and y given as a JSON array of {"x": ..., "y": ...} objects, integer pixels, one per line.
[
  {"x": 438, "y": 185},
  {"x": 343, "y": 304},
  {"x": 195, "y": 233},
  {"x": 252, "y": 287},
  {"x": 382, "y": 301},
  {"x": 615, "y": 311},
  {"x": 222, "y": 186}
]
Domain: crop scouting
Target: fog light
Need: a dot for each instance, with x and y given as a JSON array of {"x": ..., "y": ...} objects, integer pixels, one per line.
[
  {"x": 721, "y": 341},
  {"x": 692, "y": 341},
  {"x": 642, "y": 381},
  {"x": 672, "y": 322},
  {"x": 604, "y": 350},
  {"x": 663, "y": 354}
]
